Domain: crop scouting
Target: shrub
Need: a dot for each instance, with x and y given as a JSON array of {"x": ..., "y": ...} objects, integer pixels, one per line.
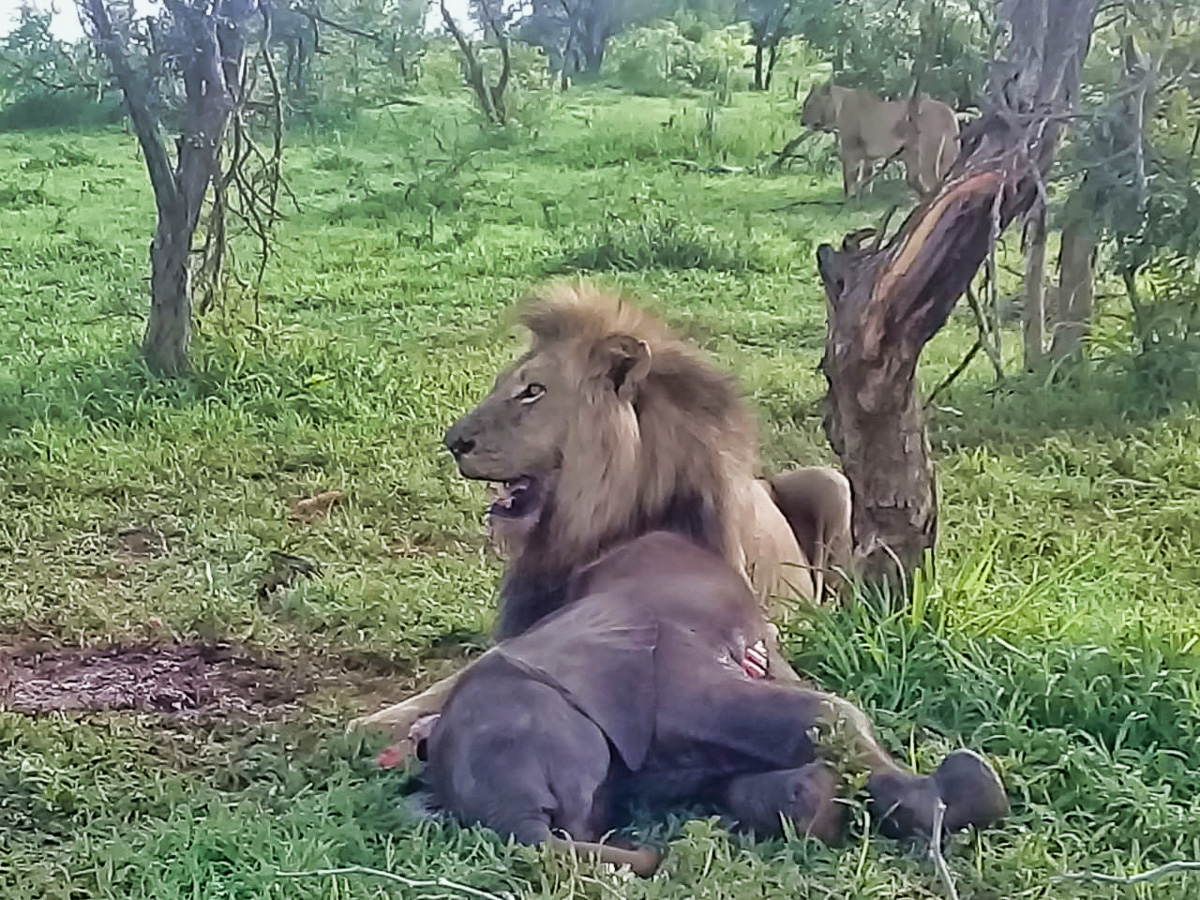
[
  {"x": 661, "y": 59},
  {"x": 661, "y": 239}
]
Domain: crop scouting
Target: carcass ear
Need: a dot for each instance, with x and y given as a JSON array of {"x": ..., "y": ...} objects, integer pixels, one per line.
[
  {"x": 600, "y": 654},
  {"x": 623, "y": 361}
]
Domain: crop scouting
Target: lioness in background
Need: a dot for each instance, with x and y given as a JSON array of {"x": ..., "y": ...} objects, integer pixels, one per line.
[{"x": 870, "y": 129}]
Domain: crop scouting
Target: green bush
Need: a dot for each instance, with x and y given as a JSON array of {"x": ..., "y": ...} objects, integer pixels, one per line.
[
  {"x": 661, "y": 59},
  {"x": 60, "y": 109},
  {"x": 664, "y": 239},
  {"x": 441, "y": 69}
]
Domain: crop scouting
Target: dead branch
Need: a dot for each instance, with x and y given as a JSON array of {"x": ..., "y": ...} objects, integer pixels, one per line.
[
  {"x": 1140, "y": 878},
  {"x": 884, "y": 305},
  {"x": 881, "y": 230},
  {"x": 987, "y": 337},
  {"x": 953, "y": 376},
  {"x": 790, "y": 148},
  {"x": 315, "y": 15}
]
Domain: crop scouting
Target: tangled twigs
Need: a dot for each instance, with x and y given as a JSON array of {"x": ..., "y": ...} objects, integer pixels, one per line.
[
  {"x": 1178, "y": 865},
  {"x": 412, "y": 883}
]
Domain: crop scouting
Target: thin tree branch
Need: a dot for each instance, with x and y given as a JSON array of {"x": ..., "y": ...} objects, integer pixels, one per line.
[
  {"x": 958, "y": 370},
  {"x": 986, "y": 336},
  {"x": 935, "y": 851},
  {"x": 315, "y": 15},
  {"x": 145, "y": 124}
]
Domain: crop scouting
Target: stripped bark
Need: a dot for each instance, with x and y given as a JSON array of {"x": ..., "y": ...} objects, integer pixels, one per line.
[{"x": 885, "y": 304}]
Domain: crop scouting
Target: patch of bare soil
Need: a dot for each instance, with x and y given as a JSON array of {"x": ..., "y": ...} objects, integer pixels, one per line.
[{"x": 179, "y": 679}]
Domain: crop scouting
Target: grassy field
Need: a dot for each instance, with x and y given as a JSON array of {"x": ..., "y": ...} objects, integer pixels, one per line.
[{"x": 1060, "y": 634}]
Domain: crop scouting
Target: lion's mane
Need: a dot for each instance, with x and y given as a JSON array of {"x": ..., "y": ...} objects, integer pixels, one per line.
[{"x": 677, "y": 459}]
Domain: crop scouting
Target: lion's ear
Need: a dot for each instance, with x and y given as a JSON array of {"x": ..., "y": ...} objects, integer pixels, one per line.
[{"x": 624, "y": 361}]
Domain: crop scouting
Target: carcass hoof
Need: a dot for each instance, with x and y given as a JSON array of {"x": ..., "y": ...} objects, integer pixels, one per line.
[
  {"x": 807, "y": 796},
  {"x": 396, "y": 755},
  {"x": 904, "y": 805}
]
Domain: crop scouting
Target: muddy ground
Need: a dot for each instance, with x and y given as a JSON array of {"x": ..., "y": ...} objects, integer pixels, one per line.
[{"x": 181, "y": 679}]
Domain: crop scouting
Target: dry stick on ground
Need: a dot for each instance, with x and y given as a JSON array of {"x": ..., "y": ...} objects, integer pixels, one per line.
[
  {"x": 411, "y": 883},
  {"x": 1142, "y": 877},
  {"x": 935, "y": 850}
]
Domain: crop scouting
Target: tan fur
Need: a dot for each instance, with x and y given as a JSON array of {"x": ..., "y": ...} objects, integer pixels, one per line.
[
  {"x": 630, "y": 431},
  {"x": 872, "y": 129},
  {"x": 692, "y": 431}
]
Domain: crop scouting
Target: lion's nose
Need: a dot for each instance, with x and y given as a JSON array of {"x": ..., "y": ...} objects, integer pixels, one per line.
[{"x": 458, "y": 444}]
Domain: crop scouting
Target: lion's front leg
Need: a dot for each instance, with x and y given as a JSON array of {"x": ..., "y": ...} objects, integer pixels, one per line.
[
  {"x": 852, "y": 166},
  {"x": 400, "y": 717}
]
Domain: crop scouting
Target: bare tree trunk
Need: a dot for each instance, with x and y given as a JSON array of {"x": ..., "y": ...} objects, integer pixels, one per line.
[
  {"x": 1034, "y": 318},
  {"x": 758, "y": 67},
  {"x": 772, "y": 58},
  {"x": 885, "y": 303},
  {"x": 169, "y": 328},
  {"x": 1076, "y": 292},
  {"x": 491, "y": 99},
  {"x": 210, "y": 62}
]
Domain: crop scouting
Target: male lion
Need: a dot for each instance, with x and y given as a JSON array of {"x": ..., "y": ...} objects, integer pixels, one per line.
[
  {"x": 626, "y": 616},
  {"x": 588, "y": 483},
  {"x": 626, "y": 622},
  {"x": 870, "y": 129}
]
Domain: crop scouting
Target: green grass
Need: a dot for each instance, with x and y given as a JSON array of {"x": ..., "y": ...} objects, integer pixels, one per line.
[{"x": 1060, "y": 634}]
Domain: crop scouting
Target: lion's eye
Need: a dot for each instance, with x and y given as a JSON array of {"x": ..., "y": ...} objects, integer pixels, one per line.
[{"x": 531, "y": 393}]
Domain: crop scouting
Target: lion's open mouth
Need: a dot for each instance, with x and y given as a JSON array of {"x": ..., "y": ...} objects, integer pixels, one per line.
[{"x": 515, "y": 498}]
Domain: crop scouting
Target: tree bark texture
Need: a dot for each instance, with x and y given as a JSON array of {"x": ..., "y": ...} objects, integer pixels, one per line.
[
  {"x": 213, "y": 41},
  {"x": 887, "y": 301},
  {"x": 883, "y": 306},
  {"x": 491, "y": 98},
  {"x": 1076, "y": 291},
  {"x": 169, "y": 327},
  {"x": 1034, "y": 315}
]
